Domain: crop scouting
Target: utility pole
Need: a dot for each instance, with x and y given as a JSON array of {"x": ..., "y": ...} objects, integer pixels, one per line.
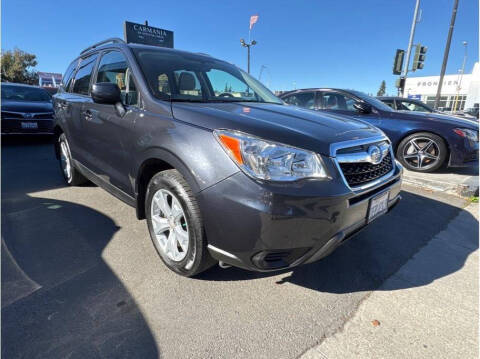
[
  {"x": 459, "y": 85},
  {"x": 409, "y": 49},
  {"x": 248, "y": 45},
  {"x": 445, "y": 54}
]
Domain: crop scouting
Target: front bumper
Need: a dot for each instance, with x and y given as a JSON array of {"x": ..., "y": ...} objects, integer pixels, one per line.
[
  {"x": 463, "y": 153},
  {"x": 265, "y": 227}
]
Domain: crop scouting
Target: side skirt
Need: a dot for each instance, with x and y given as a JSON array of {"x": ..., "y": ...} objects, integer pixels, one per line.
[{"x": 115, "y": 191}]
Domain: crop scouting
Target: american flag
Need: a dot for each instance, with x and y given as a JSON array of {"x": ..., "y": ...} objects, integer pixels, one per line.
[{"x": 253, "y": 20}]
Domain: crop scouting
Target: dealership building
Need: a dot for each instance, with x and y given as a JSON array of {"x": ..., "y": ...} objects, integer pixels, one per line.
[{"x": 458, "y": 92}]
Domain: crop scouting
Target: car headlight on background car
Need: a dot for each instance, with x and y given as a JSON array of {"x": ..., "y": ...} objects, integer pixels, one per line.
[
  {"x": 472, "y": 135},
  {"x": 266, "y": 160}
]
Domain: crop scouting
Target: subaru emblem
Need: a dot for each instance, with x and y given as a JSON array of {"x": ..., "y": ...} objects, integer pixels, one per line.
[
  {"x": 375, "y": 154},
  {"x": 28, "y": 115}
]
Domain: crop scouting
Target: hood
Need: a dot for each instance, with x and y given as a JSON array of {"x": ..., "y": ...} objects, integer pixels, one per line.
[
  {"x": 26, "y": 106},
  {"x": 290, "y": 125},
  {"x": 435, "y": 116}
]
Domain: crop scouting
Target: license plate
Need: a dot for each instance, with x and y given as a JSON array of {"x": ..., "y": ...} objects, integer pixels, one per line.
[
  {"x": 378, "y": 206},
  {"x": 29, "y": 125}
]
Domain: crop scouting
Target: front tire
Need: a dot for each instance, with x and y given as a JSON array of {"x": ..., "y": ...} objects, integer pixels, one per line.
[
  {"x": 175, "y": 224},
  {"x": 71, "y": 175},
  {"x": 422, "y": 152}
]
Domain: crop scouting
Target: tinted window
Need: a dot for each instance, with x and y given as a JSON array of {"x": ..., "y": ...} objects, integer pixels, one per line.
[
  {"x": 372, "y": 101},
  {"x": 389, "y": 103},
  {"x": 83, "y": 75},
  {"x": 24, "y": 93},
  {"x": 113, "y": 68},
  {"x": 412, "y": 106},
  {"x": 338, "y": 101},
  {"x": 302, "y": 99},
  {"x": 68, "y": 77}
]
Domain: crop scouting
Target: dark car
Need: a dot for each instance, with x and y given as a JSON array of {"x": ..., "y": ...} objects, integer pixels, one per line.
[
  {"x": 26, "y": 110},
  {"x": 421, "y": 141},
  {"x": 222, "y": 170}
]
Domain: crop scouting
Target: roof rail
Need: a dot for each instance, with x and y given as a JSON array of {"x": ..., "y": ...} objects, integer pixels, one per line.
[{"x": 114, "y": 40}]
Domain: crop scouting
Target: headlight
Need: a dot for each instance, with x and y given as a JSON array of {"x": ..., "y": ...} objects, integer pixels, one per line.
[
  {"x": 268, "y": 160},
  {"x": 467, "y": 133}
]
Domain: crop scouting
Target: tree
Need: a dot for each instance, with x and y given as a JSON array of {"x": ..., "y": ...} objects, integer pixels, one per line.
[
  {"x": 381, "y": 90},
  {"x": 18, "y": 66}
]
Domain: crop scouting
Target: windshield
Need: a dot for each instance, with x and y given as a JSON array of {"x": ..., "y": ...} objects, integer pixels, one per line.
[
  {"x": 184, "y": 77},
  {"x": 373, "y": 101},
  {"x": 24, "y": 93}
]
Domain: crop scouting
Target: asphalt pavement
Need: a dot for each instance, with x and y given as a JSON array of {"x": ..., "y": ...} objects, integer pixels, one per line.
[{"x": 81, "y": 278}]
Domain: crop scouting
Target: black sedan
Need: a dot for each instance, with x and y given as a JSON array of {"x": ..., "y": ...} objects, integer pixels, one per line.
[
  {"x": 26, "y": 110},
  {"x": 422, "y": 142}
]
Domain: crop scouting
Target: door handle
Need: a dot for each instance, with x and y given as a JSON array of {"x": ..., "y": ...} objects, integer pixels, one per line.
[{"x": 88, "y": 115}]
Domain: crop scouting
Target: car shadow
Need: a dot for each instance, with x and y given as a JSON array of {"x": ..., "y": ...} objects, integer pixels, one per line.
[
  {"x": 365, "y": 261},
  {"x": 59, "y": 297}
]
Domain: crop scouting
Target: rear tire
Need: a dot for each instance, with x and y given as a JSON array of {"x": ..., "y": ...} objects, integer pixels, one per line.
[
  {"x": 71, "y": 175},
  {"x": 176, "y": 229},
  {"x": 422, "y": 152}
]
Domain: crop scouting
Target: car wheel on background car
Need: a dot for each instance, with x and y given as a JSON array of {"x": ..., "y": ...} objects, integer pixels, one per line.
[
  {"x": 71, "y": 175},
  {"x": 175, "y": 224},
  {"x": 422, "y": 152}
]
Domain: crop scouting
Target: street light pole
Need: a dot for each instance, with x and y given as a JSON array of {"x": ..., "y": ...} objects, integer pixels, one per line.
[
  {"x": 445, "y": 54},
  {"x": 459, "y": 86},
  {"x": 248, "y": 45}
]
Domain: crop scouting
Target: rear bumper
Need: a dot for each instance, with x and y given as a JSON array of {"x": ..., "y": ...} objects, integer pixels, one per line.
[{"x": 264, "y": 227}]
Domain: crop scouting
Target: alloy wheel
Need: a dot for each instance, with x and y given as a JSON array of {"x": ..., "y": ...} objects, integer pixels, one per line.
[
  {"x": 421, "y": 152},
  {"x": 169, "y": 225}
]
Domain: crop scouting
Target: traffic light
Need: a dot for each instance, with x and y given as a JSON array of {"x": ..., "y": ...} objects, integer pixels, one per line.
[
  {"x": 398, "y": 62},
  {"x": 400, "y": 83},
  {"x": 419, "y": 57}
]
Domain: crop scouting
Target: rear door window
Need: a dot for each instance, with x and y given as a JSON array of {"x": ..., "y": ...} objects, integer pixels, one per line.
[{"x": 84, "y": 74}]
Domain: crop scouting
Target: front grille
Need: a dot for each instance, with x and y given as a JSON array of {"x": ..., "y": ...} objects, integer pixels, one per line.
[
  {"x": 6, "y": 115},
  {"x": 360, "y": 173}
]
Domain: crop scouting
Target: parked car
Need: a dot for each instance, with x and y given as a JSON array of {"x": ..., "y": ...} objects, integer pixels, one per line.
[
  {"x": 222, "y": 170},
  {"x": 422, "y": 142},
  {"x": 25, "y": 110}
]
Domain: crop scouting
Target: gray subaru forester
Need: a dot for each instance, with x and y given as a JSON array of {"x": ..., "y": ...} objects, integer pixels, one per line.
[{"x": 222, "y": 170}]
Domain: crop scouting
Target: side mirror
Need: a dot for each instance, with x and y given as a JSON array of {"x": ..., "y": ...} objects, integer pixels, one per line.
[
  {"x": 362, "y": 107},
  {"x": 106, "y": 93}
]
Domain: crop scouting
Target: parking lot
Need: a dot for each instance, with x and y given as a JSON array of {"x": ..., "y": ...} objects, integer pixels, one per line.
[{"x": 81, "y": 279}]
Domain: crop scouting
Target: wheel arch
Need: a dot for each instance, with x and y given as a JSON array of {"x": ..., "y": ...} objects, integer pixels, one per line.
[
  {"x": 57, "y": 131},
  {"x": 155, "y": 161}
]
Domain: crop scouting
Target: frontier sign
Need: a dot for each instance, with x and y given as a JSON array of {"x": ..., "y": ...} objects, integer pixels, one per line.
[{"x": 147, "y": 35}]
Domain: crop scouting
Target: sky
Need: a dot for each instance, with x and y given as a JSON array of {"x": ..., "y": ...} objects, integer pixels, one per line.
[{"x": 303, "y": 43}]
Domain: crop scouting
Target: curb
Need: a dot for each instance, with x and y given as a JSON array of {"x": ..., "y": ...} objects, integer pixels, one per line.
[{"x": 465, "y": 189}]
